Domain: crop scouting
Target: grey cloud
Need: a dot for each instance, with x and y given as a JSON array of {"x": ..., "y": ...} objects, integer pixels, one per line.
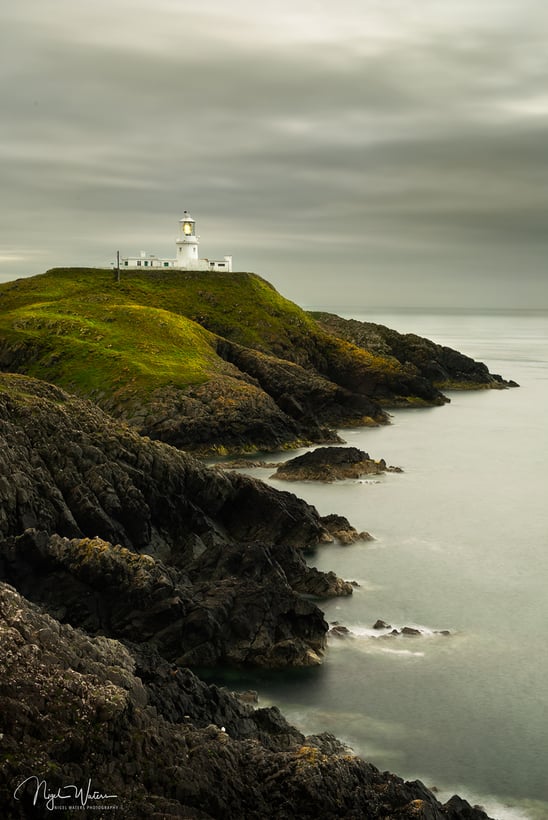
[{"x": 410, "y": 153}]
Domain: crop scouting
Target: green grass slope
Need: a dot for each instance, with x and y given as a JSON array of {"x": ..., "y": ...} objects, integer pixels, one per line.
[
  {"x": 243, "y": 306},
  {"x": 95, "y": 344},
  {"x": 199, "y": 339}
]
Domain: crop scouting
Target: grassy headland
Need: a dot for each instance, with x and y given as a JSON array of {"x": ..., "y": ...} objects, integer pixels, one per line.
[{"x": 203, "y": 360}]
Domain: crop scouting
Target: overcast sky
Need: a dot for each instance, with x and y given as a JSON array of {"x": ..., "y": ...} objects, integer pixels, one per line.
[{"x": 364, "y": 152}]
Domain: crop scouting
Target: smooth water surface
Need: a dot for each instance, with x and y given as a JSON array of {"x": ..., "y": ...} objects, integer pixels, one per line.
[{"x": 461, "y": 544}]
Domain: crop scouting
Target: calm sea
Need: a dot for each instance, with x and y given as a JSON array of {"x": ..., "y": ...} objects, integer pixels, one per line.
[{"x": 461, "y": 544}]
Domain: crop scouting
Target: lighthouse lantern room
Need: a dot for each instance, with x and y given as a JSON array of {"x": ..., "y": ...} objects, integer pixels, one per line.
[
  {"x": 187, "y": 253},
  {"x": 187, "y": 243}
]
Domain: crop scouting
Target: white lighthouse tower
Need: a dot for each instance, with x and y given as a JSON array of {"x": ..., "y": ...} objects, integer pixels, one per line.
[
  {"x": 187, "y": 243},
  {"x": 187, "y": 254}
]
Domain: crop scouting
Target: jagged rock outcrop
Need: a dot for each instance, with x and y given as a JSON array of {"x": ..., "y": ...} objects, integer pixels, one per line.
[
  {"x": 235, "y": 606},
  {"x": 74, "y": 471},
  {"x": 383, "y": 378},
  {"x": 331, "y": 464},
  {"x": 225, "y": 414},
  {"x": 342, "y": 530},
  {"x": 224, "y": 574},
  {"x": 82, "y": 717},
  {"x": 442, "y": 366},
  {"x": 303, "y": 393}
]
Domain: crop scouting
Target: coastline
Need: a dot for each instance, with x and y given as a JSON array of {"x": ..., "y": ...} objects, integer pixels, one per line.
[
  {"x": 144, "y": 600},
  {"x": 436, "y": 553},
  {"x": 135, "y": 541}
]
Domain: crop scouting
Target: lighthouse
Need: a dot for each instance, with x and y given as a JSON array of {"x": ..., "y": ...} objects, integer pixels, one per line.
[
  {"x": 187, "y": 243},
  {"x": 187, "y": 253}
]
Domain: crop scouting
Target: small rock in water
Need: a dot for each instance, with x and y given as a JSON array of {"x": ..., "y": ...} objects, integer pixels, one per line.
[
  {"x": 381, "y": 625},
  {"x": 339, "y": 631}
]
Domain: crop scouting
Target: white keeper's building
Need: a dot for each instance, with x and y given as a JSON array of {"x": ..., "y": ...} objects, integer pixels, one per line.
[{"x": 187, "y": 253}]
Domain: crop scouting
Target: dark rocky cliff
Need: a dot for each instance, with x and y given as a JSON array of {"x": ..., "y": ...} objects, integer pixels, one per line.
[
  {"x": 162, "y": 744},
  {"x": 223, "y": 577},
  {"x": 163, "y": 563}
]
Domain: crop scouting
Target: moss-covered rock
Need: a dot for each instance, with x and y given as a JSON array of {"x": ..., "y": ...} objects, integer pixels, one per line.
[{"x": 443, "y": 367}]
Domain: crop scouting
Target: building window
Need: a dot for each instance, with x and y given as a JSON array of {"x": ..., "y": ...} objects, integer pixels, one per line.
[
  {"x": 138, "y": 263},
  {"x": 166, "y": 264},
  {"x": 125, "y": 263}
]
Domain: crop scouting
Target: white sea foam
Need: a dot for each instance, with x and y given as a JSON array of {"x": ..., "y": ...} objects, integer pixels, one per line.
[
  {"x": 360, "y": 631},
  {"x": 407, "y": 652}
]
